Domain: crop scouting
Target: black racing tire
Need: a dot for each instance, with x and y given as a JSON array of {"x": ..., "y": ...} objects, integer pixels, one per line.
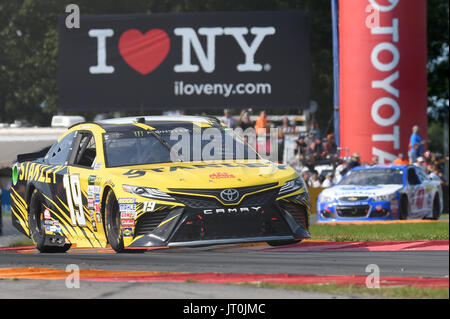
[
  {"x": 436, "y": 207},
  {"x": 277, "y": 243},
  {"x": 403, "y": 209},
  {"x": 37, "y": 227},
  {"x": 113, "y": 227},
  {"x": 112, "y": 223}
]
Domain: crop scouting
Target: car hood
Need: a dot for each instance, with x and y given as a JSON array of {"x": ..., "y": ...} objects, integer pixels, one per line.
[
  {"x": 224, "y": 174},
  {"x": 365, "y": 190}
]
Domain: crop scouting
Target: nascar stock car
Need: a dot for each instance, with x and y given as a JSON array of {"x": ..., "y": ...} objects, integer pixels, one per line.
[
  {"x": 381, "y": 192},
  {"x": 120, "y": 182}
]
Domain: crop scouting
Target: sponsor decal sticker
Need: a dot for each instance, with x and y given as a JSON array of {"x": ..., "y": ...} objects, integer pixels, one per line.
[
  {"x": 94, "y": 180},
  {"x": 221, "y": 175},
  {"x": 127, "y": 204},
  {"x": 128, "y": 232},
  {"x": 127, "y": 222},
  {"x": 128, "y": 215},
  {"x": 47, "y": 214}
]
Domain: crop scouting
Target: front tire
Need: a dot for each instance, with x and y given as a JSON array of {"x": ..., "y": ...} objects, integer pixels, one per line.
[
  {"x": 112, "y": 223},
  {"x": 37, "y": 227},
  {"x": 113, "y": 227}
]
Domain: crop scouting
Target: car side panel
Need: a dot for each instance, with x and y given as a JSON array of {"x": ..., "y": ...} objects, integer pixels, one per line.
[
  {"x": 49, "y": 181},
  {"x": 88, "y": 225}
]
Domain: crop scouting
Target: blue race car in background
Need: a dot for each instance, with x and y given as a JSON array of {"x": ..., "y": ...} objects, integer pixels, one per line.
[{"x": 381, "y": 193}]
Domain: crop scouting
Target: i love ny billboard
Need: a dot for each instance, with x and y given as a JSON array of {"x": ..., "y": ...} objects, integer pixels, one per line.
[{"x": 185, "y": 61}]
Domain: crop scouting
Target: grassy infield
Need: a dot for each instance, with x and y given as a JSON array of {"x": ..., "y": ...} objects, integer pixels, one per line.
[{"x": 430, "y": 230}]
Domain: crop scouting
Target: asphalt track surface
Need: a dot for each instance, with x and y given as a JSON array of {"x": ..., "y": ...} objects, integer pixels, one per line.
[
  {"x": 237, "y": 259},
  {"x": 255, "y": 259},
  {"x": 222, "y": 259}
]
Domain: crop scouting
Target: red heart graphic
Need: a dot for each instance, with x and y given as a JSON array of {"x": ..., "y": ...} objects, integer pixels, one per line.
[{"x": 144, "y": 52}]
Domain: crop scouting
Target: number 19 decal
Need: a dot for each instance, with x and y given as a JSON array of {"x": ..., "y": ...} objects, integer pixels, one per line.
[{"x": 73, "y": 191}]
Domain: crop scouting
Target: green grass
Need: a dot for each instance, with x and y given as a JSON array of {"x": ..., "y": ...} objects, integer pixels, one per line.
[
  {"x": 382, "y": 292},
  {"x": 22, "y": 242},
  {"x": 379, "y": 232}
]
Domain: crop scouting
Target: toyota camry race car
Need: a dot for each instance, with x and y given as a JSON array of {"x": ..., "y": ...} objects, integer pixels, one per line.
[
  {"x": 381, "y": 193},
  {"x": 135, "y": 184}
]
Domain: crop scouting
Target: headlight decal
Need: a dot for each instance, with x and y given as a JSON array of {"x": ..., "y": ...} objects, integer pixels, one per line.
[
  {"x": 292, "y": 186},
  {"x": 325, "y": 199},
  {"x": 147, "y": 192}
]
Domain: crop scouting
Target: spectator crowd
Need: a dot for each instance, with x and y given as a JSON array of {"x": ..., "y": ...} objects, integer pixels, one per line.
[{"x": 317, "y": 157}]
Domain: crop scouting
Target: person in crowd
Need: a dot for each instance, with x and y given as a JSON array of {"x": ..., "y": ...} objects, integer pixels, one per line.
[
  {"x": 439, "y": 160},
  {"x": 262, "y": 125},
  {"x": 244, "y": 120},
  {"x": 400, "y": 160},
  {"x": 228, "y": 119},
  {"x": 314, "y": 129},
  {"x": 414, "y": 153},
  {"x": 354, "y": 161},
  {"x": 288, "y": 127},
  {"x": 374, "y": 161},
  {"x": 262, "y": 132},
  {"x": 428, "y": 158},
  {"x": 420, "y": 162},
  {"x": 330, "y": 145},
  {"x": 315, "y": 148},
  {"x": 245, "y": 127},
  {"x": 435, "y": 174},
  {"x": 415, "y": 145},
  {"x": 301, "y": 144},
  {"x": 300, "y": 150},
  {"x": 328, "y": 181},
  {"x": 315, "y": 181},
  {"x": 305, "y": 175},
  {"x": 340, "y": 171}
]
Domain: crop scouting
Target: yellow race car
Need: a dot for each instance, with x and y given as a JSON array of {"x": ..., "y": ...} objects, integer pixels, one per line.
[{"x": 157, "y": 181}]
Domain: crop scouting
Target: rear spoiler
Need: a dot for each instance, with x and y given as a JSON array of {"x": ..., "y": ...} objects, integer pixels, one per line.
[{"x": 32, "y": 156}]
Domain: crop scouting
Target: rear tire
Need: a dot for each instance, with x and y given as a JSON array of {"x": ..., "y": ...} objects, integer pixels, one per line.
[
  {"x": 404, "y": 207},
  {"x": 436, "y": 208},
  {"x": 37, "y": 227}
]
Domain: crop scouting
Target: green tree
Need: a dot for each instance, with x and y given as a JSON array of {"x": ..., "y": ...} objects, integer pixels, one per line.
[
  {"x": 28, "y": 56},
  {"x": 438, "y": 65},
  {"x": 29, "y": 49}
]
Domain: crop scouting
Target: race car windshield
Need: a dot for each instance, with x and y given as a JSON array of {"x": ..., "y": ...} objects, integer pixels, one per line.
[
  {"x": 124, "y": 148},
  {"x": 373, "y": 177}
]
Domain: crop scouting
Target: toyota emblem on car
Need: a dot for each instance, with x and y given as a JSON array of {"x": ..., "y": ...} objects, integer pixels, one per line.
[{"x": 229, "y": 195}]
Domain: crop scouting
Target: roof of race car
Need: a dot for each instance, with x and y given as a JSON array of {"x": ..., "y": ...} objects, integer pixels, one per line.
[
  {"x": 156, "y": 122},
  {"x": 386, "y": 166},
  {"x": 177, "y": 118}
]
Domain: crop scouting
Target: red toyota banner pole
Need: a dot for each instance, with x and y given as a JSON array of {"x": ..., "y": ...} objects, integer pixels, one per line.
[{"x": 383, "y": 76}]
